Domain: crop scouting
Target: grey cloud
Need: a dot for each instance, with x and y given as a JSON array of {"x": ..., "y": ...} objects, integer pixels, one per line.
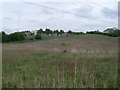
[
  {"x": 109, "y": 13},
  {"x": 9, "y": 30},
  {"x": 43, "y": 9},
  {"x": 85, "y": 11},
  {"x": 27, "y": 16},
  {"x": 47, "y": 11}
]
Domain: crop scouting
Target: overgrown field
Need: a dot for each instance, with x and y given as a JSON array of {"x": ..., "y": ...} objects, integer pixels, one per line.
[{"x": 85, "y": 61}]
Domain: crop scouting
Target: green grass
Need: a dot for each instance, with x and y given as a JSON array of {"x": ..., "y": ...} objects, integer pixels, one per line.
[{"x": 39, "y": 65}]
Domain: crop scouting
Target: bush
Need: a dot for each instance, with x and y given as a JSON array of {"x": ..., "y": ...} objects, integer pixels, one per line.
[
  {"x": 31, "y": 38},
  {"x": 115, "y": 33},
  {"x": 17, "y": 36},
  {"x": 78, "y": 33},
  {"x": 64, "y": 51},
  {"x": 4, "y": 37},
  {"x": 38, "y": 36},
  {"x": 94, "y": 32},
  {"x": 69, "y": 32}
]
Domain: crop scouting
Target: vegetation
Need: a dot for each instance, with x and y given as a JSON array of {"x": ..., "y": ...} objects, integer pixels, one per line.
[
  {"x": 79, "y": 61},
  {"x": 56, "y": 32},
  {"x": 40, "y": 31},
  {"x": 38, "y": 36},
  {"x": 20, "y": 36},
  {"x": 4, "y": 37},
  {"x": 70, "y": 32},
  {"x": 94, "y": 32},
  {"x": 48, "y": 31},
  {"x": 78, "y": 33},
  {"x": 114, "y": 33},
  {"x": 61, "y": 31},
  {"x": 17, "y": 36}
]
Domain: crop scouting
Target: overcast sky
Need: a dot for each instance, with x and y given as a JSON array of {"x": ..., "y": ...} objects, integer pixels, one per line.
[{"x": 75, "y": 15}]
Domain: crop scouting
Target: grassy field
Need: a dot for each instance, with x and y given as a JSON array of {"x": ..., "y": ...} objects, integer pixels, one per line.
[{"x": 82, "y": 61}]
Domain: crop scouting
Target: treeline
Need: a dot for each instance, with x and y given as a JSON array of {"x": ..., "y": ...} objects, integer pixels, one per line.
[
  {"x": 21, "y": 36},
  {"x": 17, "y": 36},
  {"x": 113, "y": 33},
  {"x": 49, "y": 31}
]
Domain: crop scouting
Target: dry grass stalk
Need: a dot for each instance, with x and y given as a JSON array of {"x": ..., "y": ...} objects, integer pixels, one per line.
[{"x": 75, "y": 76}]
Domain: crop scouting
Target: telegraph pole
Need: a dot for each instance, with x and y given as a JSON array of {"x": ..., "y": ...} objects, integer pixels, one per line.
[{"x": 119, "y": 14}]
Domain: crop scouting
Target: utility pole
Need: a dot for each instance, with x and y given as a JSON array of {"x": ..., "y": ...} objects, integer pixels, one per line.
[{"x": 119, "y": 14}]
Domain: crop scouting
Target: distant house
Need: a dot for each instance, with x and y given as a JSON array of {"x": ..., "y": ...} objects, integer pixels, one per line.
[
  {"x": 34, "y": 32},
  {"x": 49, "y": 34},
  {"x": 27, "y": 33},
  {"x": 65, "y": 34},
  {"x": 109, "y": 30},
  {"x": 55, "y": 34}
]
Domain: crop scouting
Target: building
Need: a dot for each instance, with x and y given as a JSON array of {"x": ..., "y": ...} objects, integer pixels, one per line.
[
  {"x": 34, "y": 32},
  {"x": 27, "y": 33},
  {"x": 65, "y": 34},
  {"x": 109, "y": 30}
]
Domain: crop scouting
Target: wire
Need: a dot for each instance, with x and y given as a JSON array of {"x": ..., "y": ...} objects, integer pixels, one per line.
[
  {"x": 94, "y": 3},
  {"x": 56, "y": 9},
  {"x": 68, "y": 12}
]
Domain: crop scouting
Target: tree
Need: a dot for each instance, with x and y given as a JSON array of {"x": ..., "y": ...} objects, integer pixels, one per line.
[
  {"x": 17, "y": 36},
  {"x": 69, "y": 32},
  {"x": 56, "y": 32},
  {"x": 48, "y": 31},
  {"x": 40, "y": 31},
  {"x": 61, "y": 31},
  {"x": 4, "y": 37},
  {"x": 78, "y": 33},
  {"x": 38, "y": 36},
  {"x": 94, "y": 32},
  {"x": 115, "y": 33},
  {"x": 112, "y": 32}
]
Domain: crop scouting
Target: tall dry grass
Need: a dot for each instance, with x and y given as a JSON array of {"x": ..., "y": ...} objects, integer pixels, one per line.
[{"x": 88, "y": 62}]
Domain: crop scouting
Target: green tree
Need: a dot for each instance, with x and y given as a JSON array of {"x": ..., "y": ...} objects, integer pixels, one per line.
[
  {"x": 111, "y": 32},
  {"x": 17, "y": 36},
  {"x": 61, "y": 31},
  {"x": 38, "y": 36},
  {"x": 115, "y": 33},
  {"x": 48, "y": 31},
  {"x": 56, "y": 32},
  {"x": 69, "y": 32},
  {"x": 4, "y": 37},
  {"x": 40, "y": 31}
]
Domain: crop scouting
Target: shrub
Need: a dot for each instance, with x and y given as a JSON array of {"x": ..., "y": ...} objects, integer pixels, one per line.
[
  {"x": 115, "y": 33},
  {"x": 31, "y": 38},
  {"x": 64, "y": 51},
  {"x": 17, "y": 36},
  {"x": 38, "y": 36},
  {"x": 4, "y": 37}
]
